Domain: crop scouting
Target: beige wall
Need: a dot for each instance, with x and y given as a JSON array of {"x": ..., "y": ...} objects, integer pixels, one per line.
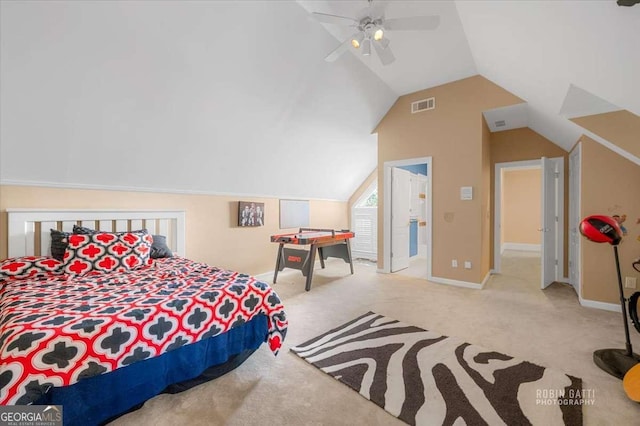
[
  {"x": 211, "y": 221},
  {"x": 522, "y": 191},
  {"x": 525, "y": 144},
  {"x": 452, "y": 135},
  {"x": 609, "y": 186},
  {"x": 619, "y": 127}
]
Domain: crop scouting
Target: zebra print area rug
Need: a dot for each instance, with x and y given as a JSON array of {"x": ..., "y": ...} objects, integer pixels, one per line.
[{"x": 424, "y": 378}]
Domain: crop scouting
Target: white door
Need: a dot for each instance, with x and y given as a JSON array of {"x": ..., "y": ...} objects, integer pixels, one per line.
[
  {"x": 549, "y": 221},
  {"x": 400, "y": 207},
  {"x": 574, "y": 218}
]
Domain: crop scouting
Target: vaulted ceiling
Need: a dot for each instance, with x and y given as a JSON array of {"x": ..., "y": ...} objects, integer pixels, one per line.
[{"x": 235, "y": 97}]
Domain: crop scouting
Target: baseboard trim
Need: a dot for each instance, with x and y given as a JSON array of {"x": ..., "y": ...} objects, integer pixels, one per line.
[
  {"x": 521, "y": 247},
  {"x": 486, "y": 278},
  {"x": 613, "y": 307},
  {"x": 457, "y": 283},
  {"x": 364, "y": 255}
]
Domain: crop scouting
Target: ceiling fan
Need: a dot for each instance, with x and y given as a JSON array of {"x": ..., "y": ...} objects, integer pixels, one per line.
[{"x": 372, "y": 27}]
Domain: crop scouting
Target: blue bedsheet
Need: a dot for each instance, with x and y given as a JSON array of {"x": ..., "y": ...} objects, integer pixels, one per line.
[{"x": 95, "y": 400}]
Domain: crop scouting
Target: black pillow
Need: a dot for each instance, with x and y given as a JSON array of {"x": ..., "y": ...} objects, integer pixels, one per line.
[
  {"x": 159, "y": 248},
  {"x": 58, "y": 244}
]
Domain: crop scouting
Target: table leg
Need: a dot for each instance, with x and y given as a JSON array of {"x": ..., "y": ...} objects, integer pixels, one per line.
[
  {"x": 278, "y": 261},
  {"x": 321, "y": 253},
  {"x": 312, "y": 261},
  {"x": 349, "y": 254}
]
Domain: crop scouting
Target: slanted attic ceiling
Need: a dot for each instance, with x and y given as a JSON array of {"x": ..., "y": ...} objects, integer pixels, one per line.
[
  {"x": 222, "y": 97},
  {"x": 234, "y": 97}
]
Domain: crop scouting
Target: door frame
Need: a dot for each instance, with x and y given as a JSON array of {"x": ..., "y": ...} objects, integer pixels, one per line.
[
  {"x": 556, "y": 167},
  {"x": 575, "y": 178},
  {"x": 497, "y": 218},
  {"x": 386, "y": 211}
]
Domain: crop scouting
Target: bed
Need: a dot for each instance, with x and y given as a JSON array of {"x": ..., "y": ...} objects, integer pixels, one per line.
[{"x": 100, "y": 339}]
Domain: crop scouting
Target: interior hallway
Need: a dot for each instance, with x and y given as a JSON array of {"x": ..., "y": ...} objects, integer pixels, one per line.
[
  {"x": 510, "y": 315},
  {"x": 522, "y": 267}
]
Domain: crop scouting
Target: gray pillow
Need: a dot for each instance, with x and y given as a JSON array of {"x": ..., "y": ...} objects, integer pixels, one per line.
[{"x": 159, "y": 248}]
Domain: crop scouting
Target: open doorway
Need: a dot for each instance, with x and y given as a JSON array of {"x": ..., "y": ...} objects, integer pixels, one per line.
[
  {"x": 520, "y": 237},
  {"x": 407, "y": 217},
  {"x": 528, "y": 228}
]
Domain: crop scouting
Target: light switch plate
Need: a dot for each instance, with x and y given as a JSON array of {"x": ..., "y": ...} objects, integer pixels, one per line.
[
  {"x": 466, "y": 192},
  {"x": 629, "y": 282}
]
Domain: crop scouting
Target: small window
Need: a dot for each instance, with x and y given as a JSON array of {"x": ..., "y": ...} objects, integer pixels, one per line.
[{"x": 371, "y": 200}]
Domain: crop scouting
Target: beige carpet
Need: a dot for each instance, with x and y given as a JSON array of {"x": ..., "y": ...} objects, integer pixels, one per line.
[{"x": 511, "y": 315}]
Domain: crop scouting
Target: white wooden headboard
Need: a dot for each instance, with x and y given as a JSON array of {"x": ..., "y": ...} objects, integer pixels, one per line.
[{"x": 29, "y": 229}]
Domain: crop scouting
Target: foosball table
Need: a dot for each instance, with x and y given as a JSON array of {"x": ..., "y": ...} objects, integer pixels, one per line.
[{"x": 327, "y": 242}]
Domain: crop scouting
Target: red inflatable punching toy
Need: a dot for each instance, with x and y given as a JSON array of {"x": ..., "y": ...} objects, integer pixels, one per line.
[
  {"x": 601, "y": 229},
  {"x": 605, "y": 229}
]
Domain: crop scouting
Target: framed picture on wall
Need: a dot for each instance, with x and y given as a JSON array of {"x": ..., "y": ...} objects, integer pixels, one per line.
[{"x": 250, "y": 213}]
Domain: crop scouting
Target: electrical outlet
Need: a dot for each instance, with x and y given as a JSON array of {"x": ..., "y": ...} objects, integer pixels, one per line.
[
  {"x": 629, "y": 282},
  {"x": 467, "y": 264},
  {"x": 454, "y": 263}
]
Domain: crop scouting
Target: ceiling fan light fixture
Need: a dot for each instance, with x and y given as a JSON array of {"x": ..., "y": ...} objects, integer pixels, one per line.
[
  {"x": 366, "y": 47},
  {"x": 357, "y": 40},
  {"x": 370, "y": 31}
]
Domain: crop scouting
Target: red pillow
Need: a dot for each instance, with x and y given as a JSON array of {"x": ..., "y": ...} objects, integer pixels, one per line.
[
  {"x": 29, "y": 267},
  {"x": 105, "y": 252}
]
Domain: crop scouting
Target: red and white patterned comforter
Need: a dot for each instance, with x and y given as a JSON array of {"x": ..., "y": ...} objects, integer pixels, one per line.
[{"x": 55, "y": 331}]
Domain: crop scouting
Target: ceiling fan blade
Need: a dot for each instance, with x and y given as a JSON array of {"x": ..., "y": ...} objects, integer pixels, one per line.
[
  {"x": 333, "y": 19},
  {"x": 377, "y": 8},
  {"x": 412, "y": 23},
  {"x": 385, "y": 54},
  {"x": 338, "y": 51}
]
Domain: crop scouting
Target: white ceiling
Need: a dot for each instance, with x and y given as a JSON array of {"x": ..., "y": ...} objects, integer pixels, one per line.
[
  {"x": 423, "y": 58},
  {"x": 580, "y": 103},
  {"x": 234, "y": 96},
  {"x": 511, "y": 117},
  {"x": 203, "y": 97}
]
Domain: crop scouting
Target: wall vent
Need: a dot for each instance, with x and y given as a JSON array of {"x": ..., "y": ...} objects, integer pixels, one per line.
[
  {"x": 423, "y": 105},
  {"x": 500, "y": 123}
]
